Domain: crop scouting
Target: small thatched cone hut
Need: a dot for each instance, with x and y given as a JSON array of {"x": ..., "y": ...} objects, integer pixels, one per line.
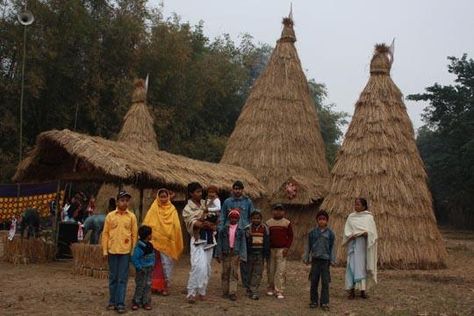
[
  {"x": 379, "y": 160},
  {"x": 277, "y": 135},
  {"x": 137, "y": 131}
]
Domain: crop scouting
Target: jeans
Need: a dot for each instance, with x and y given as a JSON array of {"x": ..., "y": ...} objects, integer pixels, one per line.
[
  {"x": 143, "y": 286},
  {"x": 230, "y": 273},
  {"x": 320, "y": 270},
  {"x": 255, "y": 270},
  {"x": 118, "y": 278}
]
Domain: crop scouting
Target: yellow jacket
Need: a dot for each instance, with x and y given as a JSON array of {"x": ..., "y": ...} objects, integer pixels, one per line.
[
  {"x": 166, "y": 235},
  {"x": 120, "y": 233}
]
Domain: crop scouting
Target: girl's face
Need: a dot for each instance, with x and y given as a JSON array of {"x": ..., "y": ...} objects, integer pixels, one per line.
[
  {"x": 196, "y": 195},
  {"x": 163, "y": 197},
  {"x": 358, "y": 207},
  {"x": 233, "y": 220}
]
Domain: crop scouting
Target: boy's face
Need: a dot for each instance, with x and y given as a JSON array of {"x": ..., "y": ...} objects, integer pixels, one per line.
[
  {"x": 163, "y": 197},
  {"x": 196, "y": 195},
  {"x": 256, "y": 220},
  {"x": 122, "y": 203},
  {"x": 322, "y": 221},
  {"x": 148, "y": 238},
  {"x": 233, "y": 220},
  {"x": 278, "y": 213},
  {"x": 237, "y": 191},
  {"x": 211, "y": 195}
]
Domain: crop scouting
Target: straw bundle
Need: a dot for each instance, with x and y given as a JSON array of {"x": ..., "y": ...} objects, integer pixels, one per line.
[
  {"x": 88, "y": 260},
  {"x": 26, "y": 251},
  {"x": 277, "y": 135},
  {"x": 379, "y": 160}
]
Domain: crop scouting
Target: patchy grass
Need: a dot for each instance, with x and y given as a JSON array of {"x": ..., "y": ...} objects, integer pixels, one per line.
[{"x": 51, "y": 289}]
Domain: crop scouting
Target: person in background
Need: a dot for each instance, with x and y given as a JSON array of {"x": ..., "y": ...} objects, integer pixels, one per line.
[
  {"x": 30, "y": 221},
  {"x": 211, "y": 214},
  {"x": 95, "y": 223},
  {"x": 143, "y": 259},
  {"x": 118, "y": 239},
  {"x": 91, "y": 209},
  {"x": 360, "y": 237},
  {"x": 281, "y": 238},
  {"x": 319, "y": 252}
]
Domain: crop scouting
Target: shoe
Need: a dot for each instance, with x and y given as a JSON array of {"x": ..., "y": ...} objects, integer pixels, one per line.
[
  {"x": 111, "y": 307},
  {"x": 313, "y": 305},
  {"x": 121, "y": 309},
  {"x": 210, "y": 246},
  {"x": 270, "y": 293},
  {"x": 351, "y": 295},
  {"x": 200, "y": 242},
  {"x": 254, "y": 297},
  {"x": 147, "y": 307},
  {"x": 165, "y": 293},
  {"x": 202, "y": 297},
  {"x": 363, "y": 295},
  {"x": 325, "y": 307},
  {"x": 232, "y": 297},
  {"x": 135, "y": 307},
  {"x": 280, "y": 296},
  {"x": 191, "y": 299}
]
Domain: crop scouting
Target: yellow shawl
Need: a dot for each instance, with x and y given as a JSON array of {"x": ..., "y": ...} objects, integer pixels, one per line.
[{"x": 166, "y": 234}]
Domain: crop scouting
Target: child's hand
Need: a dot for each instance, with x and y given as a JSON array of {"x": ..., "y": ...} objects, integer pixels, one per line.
[{"x": 285, "y": 252}]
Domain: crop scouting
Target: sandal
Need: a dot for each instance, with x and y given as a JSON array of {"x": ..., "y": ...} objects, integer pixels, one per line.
[
  {"x": 111, "y": 307},
  {"x": 147, "y": 307},
  {"x": 135, "y": 307},
  {"x": 351, "y": 295},
  {"x": 363, "y": 295}
]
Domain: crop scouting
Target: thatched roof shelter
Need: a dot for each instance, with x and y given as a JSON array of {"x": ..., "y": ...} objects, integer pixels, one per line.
[
  {"x": 305, "y": 191},
  {"x": 277, "y": 135},
  {"x": 72, "y": 156},
  {"x": 379, "y": 160}
]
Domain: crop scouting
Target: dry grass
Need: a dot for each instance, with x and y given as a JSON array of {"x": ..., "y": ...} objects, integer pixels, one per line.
[
  {"x": 88, "y": 260},
  {"x": 277, "y": 135},
  {"x": 27, "y": 251},
  {"x": 379, "y": 160}
]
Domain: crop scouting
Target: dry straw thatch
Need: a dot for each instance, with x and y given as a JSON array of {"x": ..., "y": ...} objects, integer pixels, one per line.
[
  {"x": 26, "y": 251},
  {"x": 88, "y": 260},
  {"x": 277, "y": 134},
  {"x": 308, "y": 191},
  {"x": 379, "y": 160},
  {"x": 137, "y": 131},
  {"x": 72, "y": 156}
]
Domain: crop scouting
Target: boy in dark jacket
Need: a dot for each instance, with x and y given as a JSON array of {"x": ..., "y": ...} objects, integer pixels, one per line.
[
  {"x": 320, "y": 253},
  {"x": 258, "y": 250},
  {"x": 143, "y": 259},
  {"x": 231, "y": 249}
]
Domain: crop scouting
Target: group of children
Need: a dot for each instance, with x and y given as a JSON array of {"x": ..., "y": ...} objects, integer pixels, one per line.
[{"x": 243, "y": 242}]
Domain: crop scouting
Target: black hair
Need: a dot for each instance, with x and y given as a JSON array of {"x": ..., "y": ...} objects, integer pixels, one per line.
[
  {"x": 322, "y": 213},
  {"x": 363, "y": 201},
  {"x": 238, "y": 185},
  {"x": 256, "y": 213},
  {"x": 193, "y": 186},
  {"x": 278, "y": 207},
  {"x": 144, "y": 231}
]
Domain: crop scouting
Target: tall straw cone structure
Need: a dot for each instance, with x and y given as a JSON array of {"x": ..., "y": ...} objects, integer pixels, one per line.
[
  {"x": 379, "y": 160},
  {"x": 277, "y": 135},
  {"x": 137, "y": 131}
]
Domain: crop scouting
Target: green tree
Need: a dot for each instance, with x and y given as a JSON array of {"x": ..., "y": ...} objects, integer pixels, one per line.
[{"x": 446, "y": 143}]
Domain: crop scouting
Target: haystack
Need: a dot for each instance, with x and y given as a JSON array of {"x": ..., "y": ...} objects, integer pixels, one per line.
[
  {"x": 26, "y": 251},
  {"x": 379, "y": 160},
  {"x": 137, "y": 131},
  {"x": 277, "y": 135}
]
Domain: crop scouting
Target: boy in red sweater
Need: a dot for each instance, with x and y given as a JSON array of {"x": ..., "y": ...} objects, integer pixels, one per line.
[{"x": 281, "y": 237}]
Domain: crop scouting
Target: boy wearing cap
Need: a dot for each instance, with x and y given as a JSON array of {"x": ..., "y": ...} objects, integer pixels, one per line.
[
  {"x": 118, "y": 239},
  {"x": 320, "y": 253},
  {"x": 281, "y": 238},
  {"x": 231, "y": 249}
]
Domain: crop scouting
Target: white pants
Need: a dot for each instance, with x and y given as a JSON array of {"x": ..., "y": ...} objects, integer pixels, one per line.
[{"x": 200, "y": 269}]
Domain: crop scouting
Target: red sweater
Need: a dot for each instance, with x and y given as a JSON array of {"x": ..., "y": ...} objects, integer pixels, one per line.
[{"x": 281, "y": 233}]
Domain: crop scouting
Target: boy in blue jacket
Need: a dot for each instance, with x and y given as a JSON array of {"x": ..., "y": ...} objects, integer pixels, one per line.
[
  {"x": 143, "y": 259},
  {"x": 231, "y": 249}
]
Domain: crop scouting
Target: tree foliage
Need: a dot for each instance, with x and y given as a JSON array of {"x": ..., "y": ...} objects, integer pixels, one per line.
[
  {"x": 446, "y": 143},
  {"x": 82, "y": 55}
]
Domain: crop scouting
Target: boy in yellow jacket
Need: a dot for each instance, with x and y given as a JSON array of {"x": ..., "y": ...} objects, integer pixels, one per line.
[{"x": 118, "y": 239}]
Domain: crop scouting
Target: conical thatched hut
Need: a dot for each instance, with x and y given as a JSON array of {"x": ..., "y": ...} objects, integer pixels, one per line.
[
  {"x": 277, "y": 135},
  {"x": 137, "y": 131},
  {"x": 379, "y": 160}
]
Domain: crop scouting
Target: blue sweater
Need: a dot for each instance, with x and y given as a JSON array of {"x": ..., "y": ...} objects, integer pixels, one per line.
[
  {"x": 245, "y": 206},
  {"x": 320, "y": 245},
  {"x": 143, "y": 255}
]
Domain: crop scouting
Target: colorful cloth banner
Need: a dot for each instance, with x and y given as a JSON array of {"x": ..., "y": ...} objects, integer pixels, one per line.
[{"x": 37, "y": 196}]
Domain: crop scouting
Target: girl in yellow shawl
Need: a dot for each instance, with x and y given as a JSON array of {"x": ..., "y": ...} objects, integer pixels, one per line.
[{"x": 166, "y": 238}]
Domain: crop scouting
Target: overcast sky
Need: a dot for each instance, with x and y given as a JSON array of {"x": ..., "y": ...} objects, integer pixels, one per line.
[{"x": 335, "y": 38}]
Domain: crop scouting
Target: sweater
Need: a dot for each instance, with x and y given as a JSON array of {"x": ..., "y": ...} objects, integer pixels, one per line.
[
  {"x": 320, "y": 245},
  {"x": 143, "y": 255},
  {"x": 281, "y": 233}
]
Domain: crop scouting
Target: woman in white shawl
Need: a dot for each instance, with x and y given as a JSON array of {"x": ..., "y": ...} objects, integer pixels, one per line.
[{"x": 360, "y": 237}]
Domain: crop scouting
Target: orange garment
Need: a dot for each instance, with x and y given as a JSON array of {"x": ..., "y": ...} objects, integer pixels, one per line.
[
  {"x": 120, "y": 232},
  {"x": 166, "y": 235}
]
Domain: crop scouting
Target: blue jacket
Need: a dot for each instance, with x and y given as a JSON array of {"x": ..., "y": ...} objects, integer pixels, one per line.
[
  {"x": 143, "y": 255},
  {"x": 223, "y": 247},
  {"x": 243, "y": 203},
  {"x": 320, "y": 245}
]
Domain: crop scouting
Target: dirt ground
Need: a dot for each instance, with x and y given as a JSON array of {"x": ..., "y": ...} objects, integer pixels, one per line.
[{"x": 51, "y": 289}]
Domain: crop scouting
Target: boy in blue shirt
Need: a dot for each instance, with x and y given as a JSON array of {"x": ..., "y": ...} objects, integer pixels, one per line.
[
  {"x": 143, "y": 259},
  {"x": 320, "y": 253}
]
